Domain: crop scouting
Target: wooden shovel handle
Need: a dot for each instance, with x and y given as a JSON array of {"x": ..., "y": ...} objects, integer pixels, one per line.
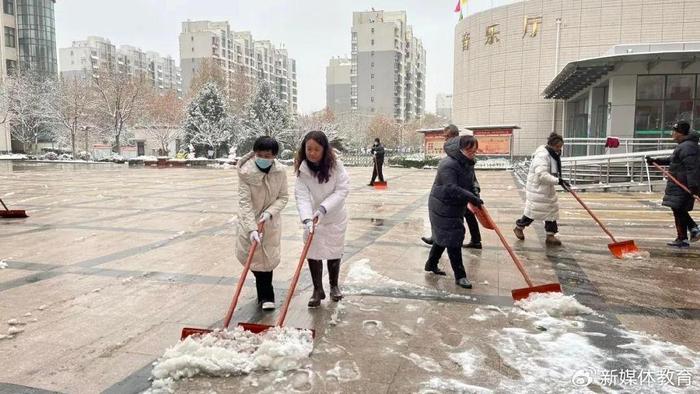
[
  {"x": 5, "y": 206},
  {"x": 241, "y": 279},
  {"x": 676, "y": 181},
  {"x": 591, "y": 213}
]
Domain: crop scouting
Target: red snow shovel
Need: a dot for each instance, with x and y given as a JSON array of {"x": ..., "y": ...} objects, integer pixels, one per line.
[
  {"x": 12, "y": 214},
  {"x": 518, "y": 294},
  {"x": 618, "y": 249},
  {"x": 676, "y": 181},
  {"x": 256, "y": 327},
  {"x": 187, "y": 331},
  {"x": 377, "y": 184}
]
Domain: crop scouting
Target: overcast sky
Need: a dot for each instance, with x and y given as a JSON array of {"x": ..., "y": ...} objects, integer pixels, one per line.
[{"x": 312, "y": 30}]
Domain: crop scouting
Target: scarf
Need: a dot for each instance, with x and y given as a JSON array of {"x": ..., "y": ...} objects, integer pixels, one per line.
[{"x": 554, "y": 155}]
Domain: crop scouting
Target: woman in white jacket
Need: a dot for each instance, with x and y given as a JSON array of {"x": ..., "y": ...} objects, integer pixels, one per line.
[
  {"x": 262, "y": 194},
  {"x": 321, "y": 188},
  {"x": 541, "y": 197}
]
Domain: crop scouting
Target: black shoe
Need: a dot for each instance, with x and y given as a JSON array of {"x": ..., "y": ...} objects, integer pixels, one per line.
[
  {"x": 472, "y": 245},
  {"x": 435, "y": 270},
  {"x": 427, "y": 240},
  {"x": 370, "y": 184},
  {"x": 695, "y": 234},
  {"x": 679, "y": 243},
  {"x": 463, "y": 283}
]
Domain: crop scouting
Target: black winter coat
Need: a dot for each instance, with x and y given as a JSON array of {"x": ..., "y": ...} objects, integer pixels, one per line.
[
  {"x": 684, "y": 165},
  {"x": 452, "y": 190},
  {"x": 378, "y": 152},
  {"x": 452, "y": 145}
]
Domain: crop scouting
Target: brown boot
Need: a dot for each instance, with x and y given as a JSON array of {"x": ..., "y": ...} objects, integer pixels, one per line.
[
  {"x": 519, "y": 234},
  {"x": 333, "y": 272},
  {"x": 552, "y": 240},
  {"x": 316, "y": 269}
]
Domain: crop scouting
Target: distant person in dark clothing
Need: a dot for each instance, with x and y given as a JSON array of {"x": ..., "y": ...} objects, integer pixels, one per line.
[
  {"x": 378, "y": 158},
  {"x": 684, "y": 165},
  {"x": 452, "y": 144}
]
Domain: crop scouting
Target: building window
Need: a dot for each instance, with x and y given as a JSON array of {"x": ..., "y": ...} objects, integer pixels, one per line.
[
  {"x": 11, "y": 67},
  {"x": 372, "y": 42},
  {"x": 663, "y": 100},
  {"x": 9, "y": 6},
  {"x": 371, "y": 99},
  {"x": 371, "y": 64},
  {"x": 372, "y": 76},
  {"x": 372, "y": 87},
  {"x": 372, "y": 30},
  {"x": 10, "y": 37}
]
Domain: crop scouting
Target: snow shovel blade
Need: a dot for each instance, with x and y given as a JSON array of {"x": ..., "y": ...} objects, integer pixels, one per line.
[
  {"x": 257, "y": 328},
  {"x": 519, "y": 294},
  {"x": 380, "y": 185},
  {"x": 484, "y": 219},
  {"x": 13, "y": 214},
  {"x": 620, "y": 249},
  {"x": 187, "y": 331}
]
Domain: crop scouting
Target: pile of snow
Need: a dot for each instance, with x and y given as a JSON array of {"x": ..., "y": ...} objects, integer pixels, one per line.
[
  {"x": 3, "y": 264},
  {"x": 13, "y": 156},
  {"x": 437, "y": 385},
  {"x": 230, "y": 353},
  {"x": 553, "y": 304},
  {"x": 639, "y": 255},
  {"x": 144, "y": 158}
]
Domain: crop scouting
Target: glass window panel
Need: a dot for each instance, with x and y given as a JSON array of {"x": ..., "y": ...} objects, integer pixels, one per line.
[
  {"x": 648, "y": 115},
  {"x": 650, "y": 87},
  {"x": 680, "y": 87},
  {"x": 675, "y": 110}
]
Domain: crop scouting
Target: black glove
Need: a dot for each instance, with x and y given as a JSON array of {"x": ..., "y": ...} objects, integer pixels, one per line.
[
  {"x": 566, "y": 185},
  {"x": 477, "y": 202},
  {"x": 650, "y": 160}
]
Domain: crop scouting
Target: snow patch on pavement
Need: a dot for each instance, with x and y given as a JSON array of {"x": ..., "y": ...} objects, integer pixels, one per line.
[
  {"x": 225, "y": 353},
  {"x": 423, "y": 362},
  {"x": 3, "y": 264},
  {"x": 438, "y": 385},
  {"x": 345, "y": 371},
  {"x": 553, "y": 304}
]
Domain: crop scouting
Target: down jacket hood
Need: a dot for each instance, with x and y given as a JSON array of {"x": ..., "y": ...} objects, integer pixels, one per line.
[{"x": 452, "y": 150}]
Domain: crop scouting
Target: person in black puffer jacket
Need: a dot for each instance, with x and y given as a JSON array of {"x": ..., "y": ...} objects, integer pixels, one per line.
[
  {"x": 451, "y": 191},
  {"x": 378, "y": 158},
  {"x": 684, "y": 165}
]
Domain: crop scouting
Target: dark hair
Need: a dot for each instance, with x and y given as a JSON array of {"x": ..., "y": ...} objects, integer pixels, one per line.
[
  {"x": 377, "y": 140},
  {"x": 327, "y": 161},
  {"x": 555, "y": 139},
  {"x": 266, "y": 143},
  {"x": 451, "y": 131},
  {"x": 468, "y": 142},
  {"x": 682, "y": 127}
]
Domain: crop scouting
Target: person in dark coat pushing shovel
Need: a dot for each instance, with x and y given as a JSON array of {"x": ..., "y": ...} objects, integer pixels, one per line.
[
  {"x": 378, "y": 158},
  {"x": 449, "y": 196},
  {"x": 452, "y": 144},
  {"x": 684, "y": 165}
]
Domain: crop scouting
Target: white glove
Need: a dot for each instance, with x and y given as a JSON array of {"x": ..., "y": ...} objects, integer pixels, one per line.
[
  {"x": 265, "y": 217},
  {"x": 309, "y": 226},
  {"x": 319, "y": 214},
  {"x": 255, "y": 236}
]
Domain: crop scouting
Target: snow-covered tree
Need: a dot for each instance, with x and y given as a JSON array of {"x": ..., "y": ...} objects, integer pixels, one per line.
[
  {"x": 266, "y": 115},
  {"x": 26, "y": 100},
  {"x": 120, "y": 97},
  {"x": 73, "y": 108},
  {"x": 207, "y": 120},
  {"x": 323, "y": 121}
]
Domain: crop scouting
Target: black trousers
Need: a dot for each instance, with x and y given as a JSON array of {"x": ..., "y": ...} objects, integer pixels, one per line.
[
  {"x": 684, "y": 222},
  {"x": 473, "y": 225},
  {"x": 455, "y": 255},
  {"x": 550, "y": 226},
  {"x": 263, "y": 283},
  {"x": 377, "y": 170}
]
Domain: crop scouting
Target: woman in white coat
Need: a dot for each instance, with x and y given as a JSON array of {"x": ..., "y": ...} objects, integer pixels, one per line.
[
  {"x": 321, "y": 188},
  {"x": 262, "y": 194},
  {"x": 541, "y": 197}
]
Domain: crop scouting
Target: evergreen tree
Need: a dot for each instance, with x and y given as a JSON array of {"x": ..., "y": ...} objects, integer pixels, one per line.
[
  {"x": 208, "y": 121},
  {"x": 266, "y": 115}
]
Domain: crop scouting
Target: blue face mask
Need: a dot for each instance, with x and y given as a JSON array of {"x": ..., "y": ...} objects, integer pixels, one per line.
[{"x": 263, "y": 163}]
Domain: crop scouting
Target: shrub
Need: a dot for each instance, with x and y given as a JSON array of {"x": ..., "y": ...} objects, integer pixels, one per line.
[
  {"x": 413, "y": 162},
  {"x": 50, "y": 156}
]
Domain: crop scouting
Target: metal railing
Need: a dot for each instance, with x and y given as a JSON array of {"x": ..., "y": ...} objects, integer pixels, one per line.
[{"x": 596, "y": 146}]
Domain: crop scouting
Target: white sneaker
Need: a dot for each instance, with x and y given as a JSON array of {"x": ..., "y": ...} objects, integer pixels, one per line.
[{"x": 268, "y": 306}]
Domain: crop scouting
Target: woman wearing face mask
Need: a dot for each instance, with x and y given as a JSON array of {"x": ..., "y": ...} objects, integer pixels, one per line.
[
  {"x": 321, "y": 188},
  {"x": 452, "y": 191},
  {"x": 541, "y": 197},
  {"x": 262, "y": 194}
]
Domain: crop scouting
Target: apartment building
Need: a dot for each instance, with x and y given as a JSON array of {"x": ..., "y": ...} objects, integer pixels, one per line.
[{"x": 338, "y": 85}]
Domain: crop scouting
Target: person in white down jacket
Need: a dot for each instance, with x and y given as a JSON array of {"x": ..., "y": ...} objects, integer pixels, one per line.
[
  {"x": 541, "y": 197},
  {"x": 262, "y": 194},
  {"x": 322, "y": 185}
]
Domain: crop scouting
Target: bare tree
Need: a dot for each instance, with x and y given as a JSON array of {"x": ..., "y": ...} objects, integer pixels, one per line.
[
  {"x": 162, "y": 118},
  {"x": 73, "y": 108},
  {"x": 121, "y": 97}
]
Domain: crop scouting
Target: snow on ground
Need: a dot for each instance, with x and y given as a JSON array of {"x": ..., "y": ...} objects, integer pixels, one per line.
[
  {"x": 230, "y": 353},
  {"x": 553, "y": 304},
  {"x": 437, "y": 385},
  {"x": 639, "y": 255},
  {"x": 14, "y": 156},
  {"x": 3, "y": 264}
]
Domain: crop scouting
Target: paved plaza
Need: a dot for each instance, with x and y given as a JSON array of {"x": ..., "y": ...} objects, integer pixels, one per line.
[{"x": 113, "y": 262}]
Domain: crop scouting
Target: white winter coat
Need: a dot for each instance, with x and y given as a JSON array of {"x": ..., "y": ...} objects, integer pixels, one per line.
[
  {"x": 260, "y": 192},
  {"x": 541, "y": 198},
  {"x": 329, "y": 237}
]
